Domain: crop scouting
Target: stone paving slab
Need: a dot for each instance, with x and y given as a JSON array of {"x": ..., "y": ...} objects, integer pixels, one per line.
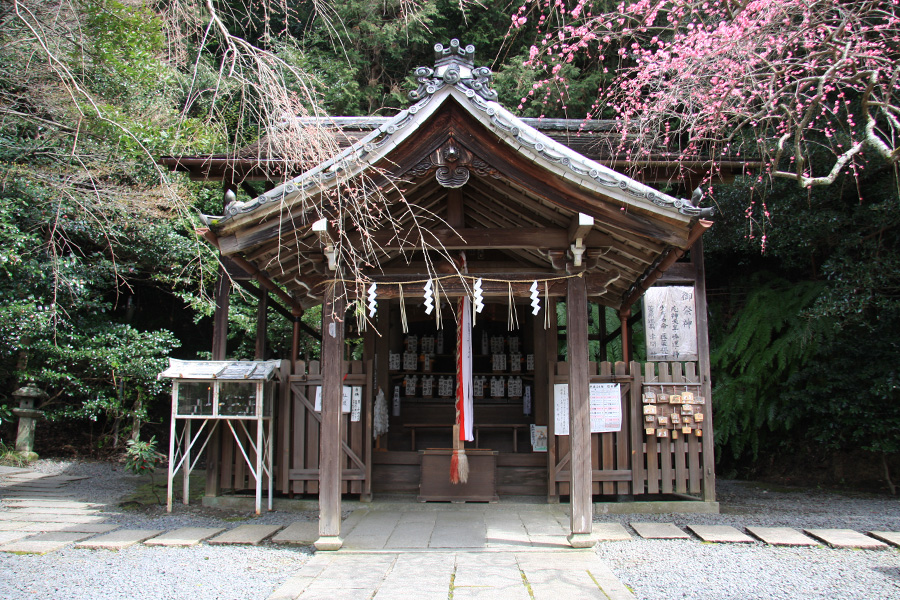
[
  {"x": 301, "y": 533},
  {"x": 720, "y": 534},
  {"x": 660, "y": 531},
  {"x": 25, "y": 515},
  {"x": 22, "y": 474},
  {"x": 245, "y": 534},
  {"x": 12, "y": 471},
  {"x": 846, "y": 538},
  {"x": 891, "y": 537},
  {"x": 186, "y": 536},
  {"x": 44, "y": 510},
  {"x": 573, "y": 574},
  {"x": 610, "y": 532},
  {"x": 94, "y": 528},
  {"x": 13, "y": 525},
  {"x": 781, "y": 536},
  {"x": 23, "y": 502},
  {"x": 44, "y": 543},
  {"x": 12, "y": 536},
  {"x": 118, "y": 540}
]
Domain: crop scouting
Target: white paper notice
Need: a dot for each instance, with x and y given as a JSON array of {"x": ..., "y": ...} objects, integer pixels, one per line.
[
  {"x": 670, "y": 323},
  {"x": 347, "y": 399},
  {"x": 318, "y": 406},
  {"x": 356, "y": 407},
  {"x": 561, "y": 408},
  {"x": 606, "y": 407}
]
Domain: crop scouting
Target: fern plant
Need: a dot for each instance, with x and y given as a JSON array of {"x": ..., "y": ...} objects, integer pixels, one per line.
[{"x": 769, "y": 341}]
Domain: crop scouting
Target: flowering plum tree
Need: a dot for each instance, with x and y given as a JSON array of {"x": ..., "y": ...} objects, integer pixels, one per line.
[{"x": 810, "y": 89}]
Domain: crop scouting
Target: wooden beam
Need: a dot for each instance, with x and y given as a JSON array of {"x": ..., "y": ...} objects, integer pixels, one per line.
[
  {"x": 709, "y": 462},
  {"x": 262, "y": 323},
  {"x": 580, "y": 496},
  {"x": 330, "y": 432},
  {"x": 486, "y": 238},
  {"x": 455, "y": 210},
  {"x": 580, "y": 226}
]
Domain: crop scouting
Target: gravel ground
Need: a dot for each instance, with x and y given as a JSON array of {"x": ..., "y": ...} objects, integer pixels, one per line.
[
  {"x": 672, "y": 569},
  {"x": 653, "y": 569},
  {"x": 200, "y": 573}
]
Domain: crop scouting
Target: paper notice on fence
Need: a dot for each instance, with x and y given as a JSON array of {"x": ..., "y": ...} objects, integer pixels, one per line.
[
  {"x": 561, "y": 408},
  {"x": 606, "y": 407},
  {"x": 670, "y": 323},
  {"x": 356, "y": 407}
]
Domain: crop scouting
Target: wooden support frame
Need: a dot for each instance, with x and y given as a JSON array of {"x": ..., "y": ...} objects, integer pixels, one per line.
[
  {"x": 580, "y": 497},
  {"x": 330, "y": 436}
]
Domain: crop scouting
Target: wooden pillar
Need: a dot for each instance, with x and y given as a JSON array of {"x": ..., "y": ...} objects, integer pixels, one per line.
[
  {"x": 330, "y": 433},
  {"x": 580, "y": 497},
  {"x": 220, "y": 341},
  {"x": 625, "y": 330},
  {"x": 297, "y": 313},
  {"x": 709, "y": 462},
  {"x": 262, "y": 323}
]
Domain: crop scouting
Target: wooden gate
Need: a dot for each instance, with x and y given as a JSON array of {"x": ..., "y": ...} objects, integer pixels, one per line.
[
  {"x": 300, "y": 424},
  {"x": 611, "y": 453},
  {"x": 632, "y": 461}
]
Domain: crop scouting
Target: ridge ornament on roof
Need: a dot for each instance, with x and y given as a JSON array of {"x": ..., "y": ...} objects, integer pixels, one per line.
[{"x": 454, "y": 66}]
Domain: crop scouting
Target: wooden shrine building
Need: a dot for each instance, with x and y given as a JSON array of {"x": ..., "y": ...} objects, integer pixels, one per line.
[{"x": 475, "y": 202}]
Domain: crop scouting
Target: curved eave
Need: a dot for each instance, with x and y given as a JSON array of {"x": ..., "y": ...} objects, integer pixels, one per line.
[{"x": 529, "y": 143}]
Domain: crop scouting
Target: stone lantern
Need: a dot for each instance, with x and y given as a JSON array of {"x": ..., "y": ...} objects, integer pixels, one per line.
[{"x": 27, "y": 395}]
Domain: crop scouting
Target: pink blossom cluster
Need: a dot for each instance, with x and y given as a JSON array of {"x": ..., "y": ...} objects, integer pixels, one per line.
[{"x": 808, "y": 89}]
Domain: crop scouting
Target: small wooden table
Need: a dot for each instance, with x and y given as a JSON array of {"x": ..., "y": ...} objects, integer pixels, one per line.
[{"x": 435, "y": 486}]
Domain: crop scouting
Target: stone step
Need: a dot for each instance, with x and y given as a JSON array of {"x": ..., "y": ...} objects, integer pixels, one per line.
[
  {"x": 12, "y": 536},
  {"x": 25, "y": 515},
  {"x": 245, "y": 534},
  {"x": 23, "y": 502},
  {"x": 44, "y": 543},
  {"x": 846, "y": 538},
  {"x": 118, "y": 540},
  {"x": 660, "y": 531},
  {"x": 44, "y": 510},
  {"x": 302, "y": 533},
  {"x": 610, "y": 532},
  {"x": 186, "y": 536},
  {"x": 720, "y": 534},
  {"x": 891, "y": 537},
  {"x": 94, "y": 528},
  {"x": 781, "y": 536}
]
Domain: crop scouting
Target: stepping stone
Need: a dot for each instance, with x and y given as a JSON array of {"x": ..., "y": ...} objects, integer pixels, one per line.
[
  {"x": 44, "y": 543},
  {"x": 845, "y": 538},
  {"x": 891, "y": 537},
  {"x": 781, "y": 536},
  {"x": 246, "y": 534},
  {"x": 610, "y": 532},
  {"x": 118, "y": 540},
  {"x": 43, "y": 510},
  {"x": 94, "y": 528},
  {"x": 14, "y": 503},
  {"x": 12, "y": 536},
  {"x": 26, "y": 475},
  {"x": 659, "y": 531},
  {"x": 720, "y": 534},
  {"x": 186, "y": 536},
  {"x": 25, "y": 515},
  {"x": 302, "y": 533}
]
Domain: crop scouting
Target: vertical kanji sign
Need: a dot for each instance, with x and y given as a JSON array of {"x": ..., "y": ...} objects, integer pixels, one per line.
[{"x": 670, "y": 323}]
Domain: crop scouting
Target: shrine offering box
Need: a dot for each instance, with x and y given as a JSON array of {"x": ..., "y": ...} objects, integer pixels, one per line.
[{"x": 435, "y": 486}]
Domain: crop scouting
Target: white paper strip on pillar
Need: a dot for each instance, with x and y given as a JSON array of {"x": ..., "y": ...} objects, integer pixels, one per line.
[
  {"x": 561, "y": 408},
  {"x": 347, "y": 399},
  {"x": 356, "y": 404},
  {"x": 318, "y": 403},
  {"x": 670, "y": 323}
]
